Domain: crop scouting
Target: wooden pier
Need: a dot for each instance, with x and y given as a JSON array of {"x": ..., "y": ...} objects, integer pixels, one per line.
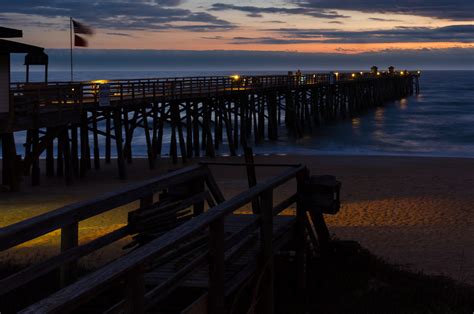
[
  {"x": 184, "y": 237},
  {"x": 66, "y": 122}
]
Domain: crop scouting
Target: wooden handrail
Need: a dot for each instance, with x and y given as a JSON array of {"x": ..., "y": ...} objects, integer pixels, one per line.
[
  {"x": 36, "y": 226},
  {"x": 174, "y": 88},
  {"x": 73, "y": 295}
]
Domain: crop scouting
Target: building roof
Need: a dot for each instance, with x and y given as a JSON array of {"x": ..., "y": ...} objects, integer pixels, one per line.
[
  {"x": 6, "y": 32},
  {"x": 8, "y": 46}
]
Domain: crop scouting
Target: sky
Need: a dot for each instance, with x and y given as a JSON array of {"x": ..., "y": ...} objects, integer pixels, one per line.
[{"x": 319, "y": 27}]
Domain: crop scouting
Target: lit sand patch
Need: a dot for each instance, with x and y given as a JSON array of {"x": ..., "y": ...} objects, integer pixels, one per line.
[{"x": 48, "y": 245}]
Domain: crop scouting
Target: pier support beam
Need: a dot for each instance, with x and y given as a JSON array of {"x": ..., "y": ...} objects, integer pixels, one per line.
[{"x": 10, "y": 164}]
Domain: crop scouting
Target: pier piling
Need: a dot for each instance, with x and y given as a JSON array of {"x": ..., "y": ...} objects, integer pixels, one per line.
[{"x": 200, "y": 116}]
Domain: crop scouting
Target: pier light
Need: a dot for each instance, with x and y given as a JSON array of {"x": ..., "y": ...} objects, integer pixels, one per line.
[
  {"x": 100, "y": 81},
  {"x": 353, "y": 75},
  {"x": 419, "y": 72},
  {"x": 361, "y": 73},
  {"x": 402, "y": 73}
]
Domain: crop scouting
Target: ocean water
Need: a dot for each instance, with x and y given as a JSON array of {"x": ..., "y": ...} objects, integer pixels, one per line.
[{"x": 437, "y": 122}]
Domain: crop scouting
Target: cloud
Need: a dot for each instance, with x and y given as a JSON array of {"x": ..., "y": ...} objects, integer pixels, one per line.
[
  {"x": 258, "y": 11},
  {"x": 378, "y": 19},
  {"x": 452, "y": 33},
  {"x": 212, "y": 37},
  {"x": 119, "y": 14},
  {"x": 459, "y": 10},
  {"x": 120, "y": 34}
]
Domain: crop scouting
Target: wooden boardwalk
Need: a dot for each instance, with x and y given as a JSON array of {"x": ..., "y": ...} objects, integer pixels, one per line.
[
  {"x": 70, "y": 123},
  {"x": 176, "y": 246}
]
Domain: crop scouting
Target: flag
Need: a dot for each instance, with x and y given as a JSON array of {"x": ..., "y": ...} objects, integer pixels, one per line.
[
  {"x": 79, "y": 41},
  {"x": 80, "y": 28}
]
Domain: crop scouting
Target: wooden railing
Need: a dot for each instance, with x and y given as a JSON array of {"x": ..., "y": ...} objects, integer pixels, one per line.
[
  {"x": 131, "y": 267},
  {"x": 67, "y": 219},
  {"x": 164, "y": 89}
]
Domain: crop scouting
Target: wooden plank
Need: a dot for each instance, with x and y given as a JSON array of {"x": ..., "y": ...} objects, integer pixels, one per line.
[
  {"x": 251, "y": 176},
  {"x": 135, "y": 291},
  {"x": 265, "y": 303},
  {"x": 69, "y": 240},
  {"x": 216, "y": 267},
  {"x": 300, "y": 229}
]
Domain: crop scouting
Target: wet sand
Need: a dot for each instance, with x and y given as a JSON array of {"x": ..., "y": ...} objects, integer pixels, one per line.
[{"x": 417, "y": 212}]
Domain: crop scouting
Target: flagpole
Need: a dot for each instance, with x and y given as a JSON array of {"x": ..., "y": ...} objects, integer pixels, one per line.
[{"x": 70, "y": 37}]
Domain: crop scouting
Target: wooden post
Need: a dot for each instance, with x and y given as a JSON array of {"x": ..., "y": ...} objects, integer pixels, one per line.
[
  {"x": 67, "y": 156},
  {"x": 149, "y": 145},
  {"x": 84, "y": 144},
  {"x": 127, "y": 130},
  {"x": 74, "y": 150},
  {"x": 251, "y": 177},
  {"x": 173, "y": 143},
  {"x": 10, "y": 170},
  {"x": 197, "y": 186},
  {"x": 177, "y": 121},
  {"x": 236, "y": 125},
  {"x": 196, "y": 129},
  {"x": 206, "y": 129},
  {"x": 228, "y": 129},
  {"x": 26, "y": 170},
  {"x": 49, "y": 153},
  {"x": 266, "y": 267},
  {"x": 135, "y": 291},
  {"x": 60, "y": 156},
  {"x": 216, "y": 267},
  {"x": 69, "y": 240},
  {"x": 154, "y": 140},
  {"x": 96, "y": 140},
  {"x": 108, "y": 138},
  {"x": 35, "y": 174},
  {"x": 146, "y": 201},
  {"x": 300, "y": 231},
  {"x": 161, "y": 123},
  {"x": 189, "y": 131},
  {"x": 119, "y": 144}
]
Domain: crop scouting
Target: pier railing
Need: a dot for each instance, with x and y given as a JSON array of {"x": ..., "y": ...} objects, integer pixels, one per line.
[{"x": 29, "y": 97}]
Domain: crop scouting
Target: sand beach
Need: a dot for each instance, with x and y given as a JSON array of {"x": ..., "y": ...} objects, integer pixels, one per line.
[{"x": 413, "y": 211}]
